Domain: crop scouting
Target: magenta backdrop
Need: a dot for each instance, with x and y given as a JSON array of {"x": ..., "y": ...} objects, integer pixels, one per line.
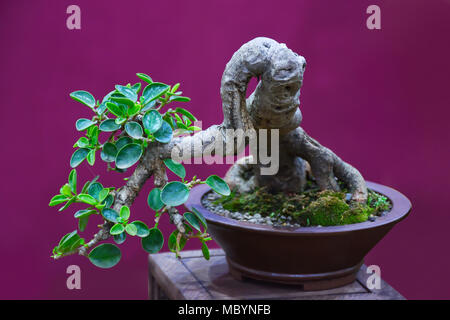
[{"x": 379, "y": 99}]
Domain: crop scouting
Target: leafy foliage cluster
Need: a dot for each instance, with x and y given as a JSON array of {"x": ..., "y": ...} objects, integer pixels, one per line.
[
  {"x": 310, "y": 208},
  {"x": 132, "y": 123}
]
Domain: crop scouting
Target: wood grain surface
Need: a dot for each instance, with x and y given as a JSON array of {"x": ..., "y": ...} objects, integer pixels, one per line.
[{"x": 194, "y": 278}]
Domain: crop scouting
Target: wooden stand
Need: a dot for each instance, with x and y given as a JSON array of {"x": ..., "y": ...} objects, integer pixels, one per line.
[{"x": 194, "y": 278}]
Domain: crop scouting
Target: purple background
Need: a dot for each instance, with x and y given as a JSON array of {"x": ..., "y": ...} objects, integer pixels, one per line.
[{"x": 379, "y": 99}]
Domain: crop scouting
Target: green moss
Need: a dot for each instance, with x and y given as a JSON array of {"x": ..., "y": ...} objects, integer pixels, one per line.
[
  {"x": 312, "y": 207},
  {"x": 378, "y": 202},
  {"x": 358, "y": 213},
  {"x": 328, "y": 210}
]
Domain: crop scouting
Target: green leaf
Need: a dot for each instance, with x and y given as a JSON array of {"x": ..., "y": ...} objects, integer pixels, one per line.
[
  {"x": 124, "y": 212},
  {"x": 78, "y": 156},
  {"x": 134, "y": 129},
  {"x": 193, "y": 220},
  {"x": 154, "y": 199},
  {"x": 84, "y": 97},
  {"x": 71, "y": 200},
  {"x": 88, "y": 184},
  {"x": 173, "y": 241},
  {"x": 122, "y": 142},
  {"x": 93, "y": 135},
  {"x": 205, "y": 251},
  {"x": 164, "y": 134},
  {"x": 91, "y": 157},
  {"x": 94, "y": 189},
  {"x": 131, "y": 229},
  {"x": 87, "y": 198},
  {"x": 101, "y": 108},
  {"x": 176, "y": 168},
  {"x": 83, "y": 124},
  {"x": 153, "y": 243},
  {"x": 142, "y": 229},
  {"x": 134, "y": 110},
  {"x": 128, "y": 155},
  {"x": 174, "y": 194},
  {"x": 65, "y": 237},
  {"x": 179, "y": 99},
  {"x": 83, "y": 142},
  {"x": 105, "y": 255},
  {"x": 109, "y": 152},
  {"x": 186, "y": 113},
  {"x": 120, "y": 220},
  {"x": 120, "y": 120},
  {"x": 100, "y": 206},
  {"x": 73, "y": 180},
  {"x": 154, "y": 91},
  {"x": 84, "y": 213},
  {"x": 123, "y": 101},
  {"x": 136, "y": 87},
  {"x": 108, "y": 96},
  {"x": 117, "y": 94},
  {"x": 149, "y": 106},
  {"x": 108, "y": 201},
  {"x": 218, "y": 185},
  {"x": 152, "y": 121},
  {"x": 103, "y": 194},
  {"x": 175, "y": 88},
  {"x": 187, "y": 228},
  {"x": 144, "y": 77},
  {"x": 82, "y": 223},
  {"x": 58, "y": 199},
  {"x": 171, "y": 121},
  {"x": 181, "y": 125},
  {"x": 69, "y": 242},
  {"x": 200, "y": 217},
  {"x": 178, "y": 118},
  {"x": 66, "y": 190},
  {"x": 120, "y": 238},
  {"x": 109, "y": 125},
  {"x": 127, "y": 92},
  {"x": 116, "y": 109},
  {"x": 194, "y": 128},
  {"x": 110, "y": 215},
  {"x": 116, "y": 229},
  {"x": 77, "y": 244}
]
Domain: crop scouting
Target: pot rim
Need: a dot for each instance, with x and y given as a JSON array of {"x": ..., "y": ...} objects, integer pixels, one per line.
[{"x": 401, "y": 207}]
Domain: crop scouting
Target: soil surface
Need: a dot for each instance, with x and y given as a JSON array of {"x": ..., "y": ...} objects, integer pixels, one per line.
[{"x": 311, "y": 208}]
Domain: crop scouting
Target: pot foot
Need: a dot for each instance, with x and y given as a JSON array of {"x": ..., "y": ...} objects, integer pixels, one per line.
[
  {"x": 235, "y": 274},
  {"x": 305, "y": 282}
]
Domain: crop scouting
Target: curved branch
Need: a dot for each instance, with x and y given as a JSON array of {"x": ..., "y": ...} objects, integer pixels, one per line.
[
  {"x": 325, "y": 165},
  {"x": 125, "y": 196}
]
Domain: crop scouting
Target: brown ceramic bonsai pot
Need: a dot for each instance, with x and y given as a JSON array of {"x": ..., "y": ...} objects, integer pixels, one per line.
[{"x": 315, "y": 258}]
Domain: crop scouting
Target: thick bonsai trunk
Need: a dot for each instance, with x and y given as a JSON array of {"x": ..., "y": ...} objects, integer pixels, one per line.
[{"x": 274, "y": 105}]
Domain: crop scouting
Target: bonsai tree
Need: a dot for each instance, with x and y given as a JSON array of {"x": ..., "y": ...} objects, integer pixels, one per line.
[{"x": 143, "y": 129}]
